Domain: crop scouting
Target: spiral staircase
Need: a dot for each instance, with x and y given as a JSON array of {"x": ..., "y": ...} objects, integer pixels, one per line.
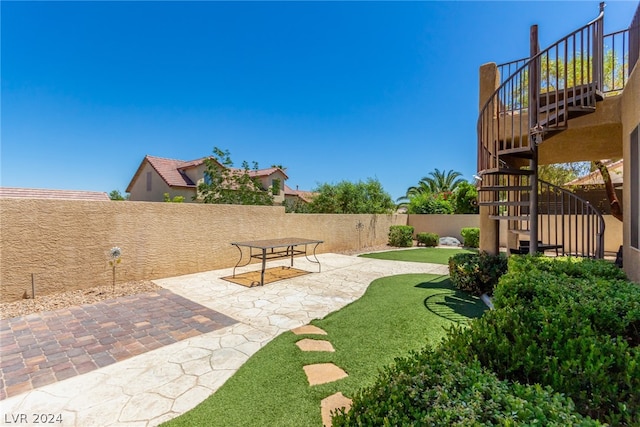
[{"x": 537, "y": 98}]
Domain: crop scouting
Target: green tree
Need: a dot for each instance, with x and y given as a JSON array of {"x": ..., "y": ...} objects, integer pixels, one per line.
[
  {"x": 296, "y": 206},
  {"x": 561, "y": 173},
  {"x": 437, "y": 182},
  {"x": 440, "y": 182},
  {"x": 465, "y": 199},
  {"x": 116, "y": 195},
  {"x": 428, "y": 203},
  {"x": 352, "y": 198},
  {"x": 555, "y": 75},
  {"x": 224, "y": 184}
]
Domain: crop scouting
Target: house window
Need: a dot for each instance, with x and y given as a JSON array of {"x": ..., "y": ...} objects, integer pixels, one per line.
[
  {"x": 207, "y": 178},
  {"x": 148, "y": 181},
  {"x": 635, "y": 189}
]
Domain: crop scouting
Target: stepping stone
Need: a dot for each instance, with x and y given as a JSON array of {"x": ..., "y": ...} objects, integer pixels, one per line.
[
  {"x": 308, "y": 330},
  {"x": 322, "y": 373},
  {"x": 314, "y": 345},
  {"x": 331, "y": 403}
]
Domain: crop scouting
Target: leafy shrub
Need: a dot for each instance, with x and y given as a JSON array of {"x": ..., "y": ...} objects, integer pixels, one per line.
[
  {"x": 569, "y": 266},
  {"x": 428, "y": 203},
  {"x": 565, "y": 327},
  {"x": 430, "y": 388},
  {"x": 471, "y": 236},
  {"x": 476, "y": 273},
  {"x": 428, "y": 239},
  {"x": 401, "y": 236},
  {"x": 175, "y": 199}
]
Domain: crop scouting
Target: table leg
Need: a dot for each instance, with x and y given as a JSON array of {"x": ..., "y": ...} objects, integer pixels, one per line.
[
  {"x": 291, "y": 247},
  {"x": 239, "y": 261},
  {"x": 264, "y": 264},
  {"x": 317, "y": 261}
]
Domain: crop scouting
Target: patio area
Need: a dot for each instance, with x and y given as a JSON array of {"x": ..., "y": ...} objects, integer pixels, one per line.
[{"x": 162, "y": 383}]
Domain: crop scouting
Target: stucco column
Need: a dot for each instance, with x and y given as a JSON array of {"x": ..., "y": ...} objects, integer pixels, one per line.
[
  {"x": 489, "y": 232},
  {"x": 489, "y": 228}
]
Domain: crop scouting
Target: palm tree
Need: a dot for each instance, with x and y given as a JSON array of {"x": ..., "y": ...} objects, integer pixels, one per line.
[
  {"x": 439, "y": 182},
  {"x": 421, "y": 188}
]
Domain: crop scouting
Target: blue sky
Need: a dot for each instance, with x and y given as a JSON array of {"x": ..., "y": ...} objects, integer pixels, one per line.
[{"x": 331, "y": 90}]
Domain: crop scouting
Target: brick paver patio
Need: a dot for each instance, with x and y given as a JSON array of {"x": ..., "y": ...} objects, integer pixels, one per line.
[{"x": 46, "y": 347}]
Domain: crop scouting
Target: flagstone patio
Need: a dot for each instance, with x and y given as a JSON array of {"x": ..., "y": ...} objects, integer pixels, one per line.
[{"x": 157, "y": 385}]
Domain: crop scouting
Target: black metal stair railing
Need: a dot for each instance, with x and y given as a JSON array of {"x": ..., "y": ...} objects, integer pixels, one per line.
[
  {"x": 569, "y": 222},
  {"x": 566, "y": 223},
  {"x": 566, "y": 81},
  {"x": 570, "y": 78}
]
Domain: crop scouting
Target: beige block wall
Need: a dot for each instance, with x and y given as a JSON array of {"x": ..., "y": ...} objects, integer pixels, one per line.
[
  {"x": 443, "y": 225},
  {"x": 630, "y": 120},
  {"x": 65, "y": 243},
  {"x": 450, "y": 225}
]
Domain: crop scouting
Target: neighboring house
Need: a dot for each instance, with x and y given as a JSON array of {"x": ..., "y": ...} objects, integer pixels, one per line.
[
  {"x": 156, "y": 176},
  {"x": 548, "y": 109},
  {"x": 297, "y": 196},
  {"x": 36, "y": 193}
]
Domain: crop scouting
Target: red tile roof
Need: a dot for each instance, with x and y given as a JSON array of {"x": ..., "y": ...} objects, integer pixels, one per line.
[
  {"x": 170, "y": 171},
  {"x": 37, "y": 193},
  {"x": 306, "y": 196},
  {"x": 595, "y": 178},
  {"x": 266, "y": 172}
]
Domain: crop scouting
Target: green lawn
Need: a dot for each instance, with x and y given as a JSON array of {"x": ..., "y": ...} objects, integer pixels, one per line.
[
  {"x": 432, "y": 255},
  {"x": 395, "y": 315}
]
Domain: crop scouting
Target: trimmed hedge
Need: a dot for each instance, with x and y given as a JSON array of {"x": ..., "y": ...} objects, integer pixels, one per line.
[
  {"x": 428, "y": 239},
  {"x": 571, "y": 325},
  {"x": 471, "y": 236},
  {"x": 401, "y": 236},
  {"x": 476, "y": 273},
  {"x": 430, "y": 388}
]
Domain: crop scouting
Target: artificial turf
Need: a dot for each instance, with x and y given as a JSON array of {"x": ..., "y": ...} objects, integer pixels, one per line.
[
  {"x": 396, "y": 314},
  {"x": 431, "y": 255}
]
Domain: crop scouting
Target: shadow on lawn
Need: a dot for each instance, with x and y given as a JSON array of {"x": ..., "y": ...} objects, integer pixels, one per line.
[{"x": 456, "y": 306}]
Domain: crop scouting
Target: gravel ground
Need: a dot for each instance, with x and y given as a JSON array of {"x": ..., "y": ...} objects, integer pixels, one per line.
[
  {"x": 76, "y": 297},
  {"x": 100, "y": 293}
]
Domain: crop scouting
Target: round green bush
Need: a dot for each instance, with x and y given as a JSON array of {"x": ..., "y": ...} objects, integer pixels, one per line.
[
  {"x": 401, "y": 236},
  {"x": 476, "y": 273},
  {"x": 428, "y": 239},
  {"x": 471, "y": 236}
]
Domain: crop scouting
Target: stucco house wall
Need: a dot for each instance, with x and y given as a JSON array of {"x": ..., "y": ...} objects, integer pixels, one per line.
[
  {"x": 630, "y": 117},
  {"x": 139, "y": 190}
]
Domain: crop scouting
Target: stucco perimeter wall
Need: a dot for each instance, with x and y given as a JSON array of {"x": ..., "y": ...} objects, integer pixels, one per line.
[
  {"x": 66, "y": 243},
  {"x": 448, "y": 225}
]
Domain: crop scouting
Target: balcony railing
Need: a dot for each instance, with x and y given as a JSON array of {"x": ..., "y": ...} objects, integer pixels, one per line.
[{"x": 616, "y": 61}]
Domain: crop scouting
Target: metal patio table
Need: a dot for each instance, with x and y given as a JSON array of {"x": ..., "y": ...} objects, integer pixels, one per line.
[{"x": 268, "y": 249}]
